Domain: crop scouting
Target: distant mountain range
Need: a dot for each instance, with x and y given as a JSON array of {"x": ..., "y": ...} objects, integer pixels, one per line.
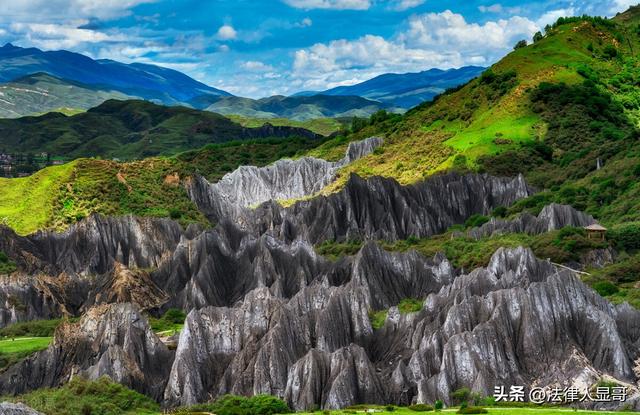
[
  {"x": 41, "y": 92},
  {"x": 405, "y": 90},
  {"x": 33, "y": 82},
  {"x": 153, "y": 83},
  {"x": 298, "y": 108}
]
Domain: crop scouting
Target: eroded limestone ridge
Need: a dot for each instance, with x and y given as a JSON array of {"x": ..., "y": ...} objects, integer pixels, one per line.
[
  {"x": 111, "y": 340},
  {"x": 285, "y": 179},
  {"x": 519, "y": 321}
]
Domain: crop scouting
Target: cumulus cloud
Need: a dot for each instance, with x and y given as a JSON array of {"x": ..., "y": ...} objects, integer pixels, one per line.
[
  {"x": 401, "y": 5},
  {"x": 429, "y": 40},
  {"x": 43, "y": 9},
  {"x": 330, "y": 4},
  {"x": 227, "y": 32},
  {"x": 48, "y": 36},
  {"x": 256, "y": 66}
]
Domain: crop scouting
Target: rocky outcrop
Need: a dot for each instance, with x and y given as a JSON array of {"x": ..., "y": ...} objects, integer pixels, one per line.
[
  {"x": 552, "y": 217},
  {"x": 520, "y": 321},
  {"x": 7, "y": 408},
  {"x": 94, "y": 245},
  {"x": 285, "y": 179},
  {"x": 123, "y": 285},
  {"x": 112, "y": 340},
  {"x": 382, "y": 209}
]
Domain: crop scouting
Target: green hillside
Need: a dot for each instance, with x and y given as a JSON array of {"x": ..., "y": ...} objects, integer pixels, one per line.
[
  {"x": 41, "y": 93},
  {"x": 58, "y": 196},
  {"x": 125, "y": 130},
  {"x": 549, "y": 110}
]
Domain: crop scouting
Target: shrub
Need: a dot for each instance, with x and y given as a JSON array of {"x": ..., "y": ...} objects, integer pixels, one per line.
[
  {"x": 80, "y": 396},
  {"x": 461, "y": 395},
  {"x": 605, "y": 288},
  {"x": 439, "y": 405},
  {"x": 390, "y": 408},
  {"x": 626, "y": 237},
  {"x": 610, "y": 52},
  {"x": 476, "y": 220},
  {"x": 421, "y": 407},
  {"x": 521, "y": 44},
  {"x": 499, "y": 212}
]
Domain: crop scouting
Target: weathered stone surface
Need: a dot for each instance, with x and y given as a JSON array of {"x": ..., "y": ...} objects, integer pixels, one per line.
[
  {"x": 520, "y": 321},
  {"x": 110, "y": 340},
  {"x": 552, "y": 217},
  {"x": 93, "y": 245},
  {"x": 380, "y": 208},
  {"x": 7, "y": 408},
  {"x": 285, "y": 179}
]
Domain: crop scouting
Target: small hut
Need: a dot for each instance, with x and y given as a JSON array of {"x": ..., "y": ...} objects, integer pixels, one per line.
[{"x": 596, "y": 231}]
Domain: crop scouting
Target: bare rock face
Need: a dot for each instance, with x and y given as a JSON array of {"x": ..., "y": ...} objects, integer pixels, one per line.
[
  {"x": 123, "y": 285},
  {"x": 520, "y": 321},
  {"x": 285, "y": 179},
  {"x": 7, "y": 408},
  {"x": 111, "y": 340},
  {"x": 382, "y": 209},
  {"x": 93, "y": 245},
  {"x": 552, "y": 217}
]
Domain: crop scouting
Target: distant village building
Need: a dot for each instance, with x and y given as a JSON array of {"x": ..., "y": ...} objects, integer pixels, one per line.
[{"x": 596, "y": 231}]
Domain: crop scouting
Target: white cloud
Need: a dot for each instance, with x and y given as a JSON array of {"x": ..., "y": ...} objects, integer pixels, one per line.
[
  {"x": 45, "y": 9},
  {"x": 551, "y": 16},
  {"x": 429, "y": 40},
  {"x": 256, "y": 66},
  {"x": 494, "y": 8},
  {"x": 401, "y": 5},
  {"x": 227, "y": 32},
  {"x": 330, "y": 4},
  {"x": 306, "y": 22},
  {"x": 55, "y": 36}
]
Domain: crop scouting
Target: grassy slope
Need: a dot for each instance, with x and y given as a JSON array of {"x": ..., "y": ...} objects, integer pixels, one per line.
[
  {"x": 27, "y": 204},
  {"x": 58, "y": 196},
  {"x": 485, "y": 118},
  {"x": 15, "y": 349}
]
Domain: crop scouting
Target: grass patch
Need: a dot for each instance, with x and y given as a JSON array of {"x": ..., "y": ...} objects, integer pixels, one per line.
[
  {"x": 377, "y": 318},
  {"x": 410, "y": 305},
  {"x": 33, "y": 328},
  {"x": 82, "y": 397},
  {"x": 27, "y": 204},
  {"x": 171, "y": 322},
  {"x": 14, "y": 350}
]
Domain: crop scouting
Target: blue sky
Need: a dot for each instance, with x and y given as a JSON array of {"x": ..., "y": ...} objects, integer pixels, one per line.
[{"x": 261, "y": 48}]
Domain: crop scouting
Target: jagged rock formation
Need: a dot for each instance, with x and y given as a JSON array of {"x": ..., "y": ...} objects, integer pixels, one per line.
[
  {"x": 153, "y": 263},
  {"x": 7, "y": 408},
  {"x": 285, "y": 179},
  {"x": 269, "y": 315},
  {"x": 380, "y": 208},
  {"x": 111, "y": 340},
  {"x": 520, "y": 321},
  {"x": 552, "y": 217},
  {"x": 127, "y": 286},
  {"x": 94, "y": 245}
]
